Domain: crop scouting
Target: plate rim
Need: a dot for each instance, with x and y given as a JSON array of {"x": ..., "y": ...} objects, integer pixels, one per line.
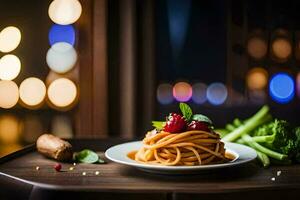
[{"x": 135, "y": 164}]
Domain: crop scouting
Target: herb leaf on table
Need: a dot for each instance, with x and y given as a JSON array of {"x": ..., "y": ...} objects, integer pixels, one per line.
[{"x": 88, "y": 156}]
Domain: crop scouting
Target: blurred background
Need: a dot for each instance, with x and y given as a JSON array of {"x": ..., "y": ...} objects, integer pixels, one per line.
[{"x": 107, "y": 68}]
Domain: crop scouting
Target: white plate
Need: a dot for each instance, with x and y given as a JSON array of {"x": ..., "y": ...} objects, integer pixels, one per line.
[{"x": 119, "y": 153}]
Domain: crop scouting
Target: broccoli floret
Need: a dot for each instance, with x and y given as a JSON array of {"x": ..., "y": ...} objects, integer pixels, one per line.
[{"x": 278, "y": 135}]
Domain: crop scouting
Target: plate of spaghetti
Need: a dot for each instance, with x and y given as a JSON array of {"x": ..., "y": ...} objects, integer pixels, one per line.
[{"x": 183, "y": 143}]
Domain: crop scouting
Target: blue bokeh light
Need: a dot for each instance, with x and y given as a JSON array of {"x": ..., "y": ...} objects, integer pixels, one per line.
[
  {"x": 282, "y": 88},
  {"x": 216, "y": 93},
  {"x": 62, "y": 33}
]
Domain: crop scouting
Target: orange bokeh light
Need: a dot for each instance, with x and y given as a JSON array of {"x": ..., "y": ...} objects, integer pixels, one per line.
[
  {"x": 257, "y": 47},
  {"x": 182, "y": 91},
  {"x": 9, "y": 94},
  {"x": 257, "y": 78},
  {"x": 62, "y": 92}
]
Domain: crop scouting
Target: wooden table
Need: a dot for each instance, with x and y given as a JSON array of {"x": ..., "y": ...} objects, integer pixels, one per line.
[{"x": 19, "y": 179}]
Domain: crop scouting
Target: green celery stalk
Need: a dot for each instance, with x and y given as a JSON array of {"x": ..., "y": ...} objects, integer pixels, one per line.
[
  {"x": 249, "y": 125},
  {"x": 230, "y": 127},
  {"x": 263, "y": 158},
  {"x": 263, "y": 139},
  {"x": 259, "y": 139},
  {"x": 273, "y": 154}
]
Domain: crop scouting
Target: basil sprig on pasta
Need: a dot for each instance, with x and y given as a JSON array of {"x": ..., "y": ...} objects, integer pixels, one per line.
[
  {"x": 188, "y": 114},
  {"x": 186, "y": 111}
]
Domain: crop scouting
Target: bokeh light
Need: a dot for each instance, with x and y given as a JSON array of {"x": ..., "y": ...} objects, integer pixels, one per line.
[
  {"x": 10, "y": 38},
  {"x": 61, "y": 57},
  {"x": 199, "y": 93},
  {"x": 164, "y": 94},
  {"x": 281, "y": 48},
  {"x": 182, "y": 91},
  {"x": 282, "y": 88},
  {"x": 257, "y": 78},
  {"x": 257, "y": 47},
  {"x": 62, "y": 33},
  {"x": 9, "y": 129},
  {"x": 32, "y": 91},
  {"x": 10, "y": 67},
  {"x": 65, "y": 12},
  {"x": 62, "y": 126},
  {"x": 62, "y": 92},
  {"x": 216, "y": 93},
  {"x": 9, "y": 94}
]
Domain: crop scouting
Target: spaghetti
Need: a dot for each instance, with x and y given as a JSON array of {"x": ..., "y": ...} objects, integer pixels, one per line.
[{"x": 188, "y": 148}]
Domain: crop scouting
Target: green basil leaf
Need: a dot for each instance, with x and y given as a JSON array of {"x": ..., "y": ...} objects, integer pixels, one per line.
[
  {"x": 186, "y": 111},
  {"x": 87, "y": 156},
  {"x": 202, "y": 118},
  {"x": 159, "y": 125}
]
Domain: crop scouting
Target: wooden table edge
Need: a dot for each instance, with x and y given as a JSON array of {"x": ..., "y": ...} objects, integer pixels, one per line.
[{"x": 54, "y": 187}]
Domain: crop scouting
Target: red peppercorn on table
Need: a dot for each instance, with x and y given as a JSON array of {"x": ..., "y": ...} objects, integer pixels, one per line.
[{"x": 28, "y": 175}]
